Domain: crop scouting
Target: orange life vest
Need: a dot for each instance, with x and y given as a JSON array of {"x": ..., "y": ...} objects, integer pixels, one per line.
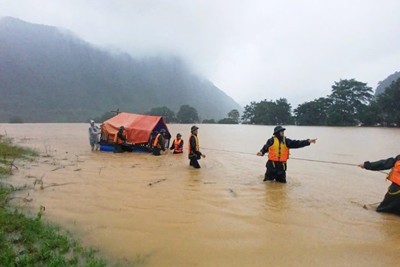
[
  {"x": 278, "y": 151},
  {"x": 197, "y": 145},
  {"x": 177, "y": 147},
  {"x": 156, "y": 143},
  {"x": 394, "y": 175},
  {"x": 118, "y": 140}
]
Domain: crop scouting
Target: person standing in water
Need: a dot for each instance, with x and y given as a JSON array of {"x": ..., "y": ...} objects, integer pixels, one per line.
[
  {"x": 120, "y": 140},
  {"x": 94, "y": 133},
  {"x": 277, "y": 148},
  {"x": 194, "y": 148},
  {"x": 159, "y": 143},
  {"x": 391, "y": 201},
  {"x": 177, "y": 144}
]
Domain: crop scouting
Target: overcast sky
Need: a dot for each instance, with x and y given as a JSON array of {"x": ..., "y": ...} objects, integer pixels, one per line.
[{"x": 252, "y": 50}]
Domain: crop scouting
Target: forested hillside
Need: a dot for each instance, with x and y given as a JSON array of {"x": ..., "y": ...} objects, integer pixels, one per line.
[{"x": 49, "y": 75}]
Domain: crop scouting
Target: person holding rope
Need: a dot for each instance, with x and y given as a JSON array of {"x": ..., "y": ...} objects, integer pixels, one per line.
[
  {"x": 391, "y": 201},
  {"x": 277, "y": 148}
]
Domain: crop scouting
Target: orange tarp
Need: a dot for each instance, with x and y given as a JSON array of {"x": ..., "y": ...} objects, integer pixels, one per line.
[{"x": 138, "y": 127}]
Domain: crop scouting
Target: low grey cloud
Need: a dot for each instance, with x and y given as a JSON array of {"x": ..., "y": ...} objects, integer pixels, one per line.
[{"x": 252, "y": 50}]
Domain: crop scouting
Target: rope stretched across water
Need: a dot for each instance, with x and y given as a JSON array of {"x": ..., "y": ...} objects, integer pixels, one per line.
[{"x": 312, "y": 160}]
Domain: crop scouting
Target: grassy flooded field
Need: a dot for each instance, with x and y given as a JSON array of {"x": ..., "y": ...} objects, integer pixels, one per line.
[{"x": 28, "y": 240}]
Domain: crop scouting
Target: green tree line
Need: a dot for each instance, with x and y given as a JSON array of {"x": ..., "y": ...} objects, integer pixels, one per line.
[{"x": 350, "y": 103}]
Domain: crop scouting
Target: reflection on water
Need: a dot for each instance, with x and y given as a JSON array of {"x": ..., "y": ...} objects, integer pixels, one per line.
[{"x": 223, "y": 214}]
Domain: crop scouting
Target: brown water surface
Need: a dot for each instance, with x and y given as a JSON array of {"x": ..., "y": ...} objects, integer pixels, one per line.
[{"x": 223, "y": 214}]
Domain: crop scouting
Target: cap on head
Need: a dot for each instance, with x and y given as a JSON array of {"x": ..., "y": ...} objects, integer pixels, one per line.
[
  {"x": 91, "y": 121},
  {"x": 194, "y": 128},
  {"x": 278, "y": 129},
  {"x": 122, "y": 127},
  {"x": 178, "y": 135}
]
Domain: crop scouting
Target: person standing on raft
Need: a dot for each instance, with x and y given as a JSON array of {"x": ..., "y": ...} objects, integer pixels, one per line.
[
  {"x": 277, "y": 148},
  {"x": 391, "y": 201}
]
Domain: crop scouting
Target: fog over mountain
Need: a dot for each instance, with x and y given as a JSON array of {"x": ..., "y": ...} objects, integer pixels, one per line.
[{"x": 48, "y": 74}]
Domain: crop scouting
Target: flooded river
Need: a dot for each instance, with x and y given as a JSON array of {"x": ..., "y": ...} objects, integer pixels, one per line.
[{"x": 158, "y": 209}]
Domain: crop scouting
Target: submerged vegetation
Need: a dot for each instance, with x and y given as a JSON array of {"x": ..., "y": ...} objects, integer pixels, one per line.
[{"x": 28, "y": 240}]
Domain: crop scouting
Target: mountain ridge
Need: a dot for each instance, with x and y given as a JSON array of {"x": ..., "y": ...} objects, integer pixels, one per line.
[{"x": 48, "y": 74}]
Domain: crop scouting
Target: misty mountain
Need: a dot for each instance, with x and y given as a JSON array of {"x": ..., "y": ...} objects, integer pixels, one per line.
[
  {"x": 48, "y": 74},
  {"x": 387, "y": 82}
]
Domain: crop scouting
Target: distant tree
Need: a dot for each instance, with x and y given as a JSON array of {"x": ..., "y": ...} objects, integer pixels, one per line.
[
  {"x": 16, "y": 119},
  {"x": 371, "y": 115},
  {"x": 208, "y": 121},
  {"x": 268, "y": 112},
  {"x": 249, "y": 113},
  {"x": 227, "y": 121},
  {"x": 166, "y": 113},
  {"x": 283, "y": 112},
  {"x": 187, "y": 114},
  {"x": 348, "y": 99},
  {"x": 313, "y": 112},
  {"x": 387, "y": 105},
  {"x": 234, "y": 115}
]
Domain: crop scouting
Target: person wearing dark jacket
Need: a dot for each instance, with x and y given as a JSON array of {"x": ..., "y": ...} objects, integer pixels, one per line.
[
  {"x": 391, "y": 201},
  {"x": 120, "y": 140},
  {"x": 277, "y": 148},
  {"x": 159, "y": 143},
  {"x": 194, "y": 148}
]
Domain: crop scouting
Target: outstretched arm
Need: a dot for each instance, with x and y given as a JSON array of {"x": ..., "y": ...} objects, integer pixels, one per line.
[
  {"x": 299, "y": 143},
  {"x": 383, "y": 164},
  {"x": 264, "y": 149}
]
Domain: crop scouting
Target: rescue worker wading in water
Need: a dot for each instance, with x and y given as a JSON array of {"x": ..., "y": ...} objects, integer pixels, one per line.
[
  {"x": 159, "y": 143},
  {"x": 277, "y": 148},
  {"x": 120, "y": 140},
  {"x": 391, "y": 202},
  {"x": 194, "y": 148},
  {"x": 177, "y": 144}
]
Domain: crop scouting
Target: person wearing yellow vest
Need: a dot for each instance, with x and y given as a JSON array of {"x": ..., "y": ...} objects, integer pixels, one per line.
[
  {"x": 177, "y": 144},
  {"x": 391, "y": 201},
  {"x": 159, "y": 143},
  {"x": 277, "y": 148},
  {"x": 194, "y": 148}
]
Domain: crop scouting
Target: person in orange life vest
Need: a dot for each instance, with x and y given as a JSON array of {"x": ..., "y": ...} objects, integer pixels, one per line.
[
  {"x": 159, "y": 143},
  {"x": 277, "y": 148},
  {"x": 177, "y": 144},
  {"x": 194, "y": 148},
  {"x": 391, "y": 201},
  {"x": 120, "y": 140}
]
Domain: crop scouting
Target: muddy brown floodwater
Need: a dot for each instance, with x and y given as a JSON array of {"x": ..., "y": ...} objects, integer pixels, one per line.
[{"x": 159, "y": 209}]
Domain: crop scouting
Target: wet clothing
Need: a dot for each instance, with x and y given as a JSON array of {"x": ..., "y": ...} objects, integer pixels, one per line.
[
  {"x": 94, "y": 132},
  {"x": 276, "y": 168},
  {"x": 177, "y": 146},
  {"x": 119, "y": 141},
  {"x": 194, "y": 152},
  {"x": 391, "y": 201},
  {"x": 158, "y": 145}
]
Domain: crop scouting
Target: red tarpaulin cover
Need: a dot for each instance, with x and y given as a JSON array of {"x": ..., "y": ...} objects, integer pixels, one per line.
[{"x": 138, "y": 127}]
